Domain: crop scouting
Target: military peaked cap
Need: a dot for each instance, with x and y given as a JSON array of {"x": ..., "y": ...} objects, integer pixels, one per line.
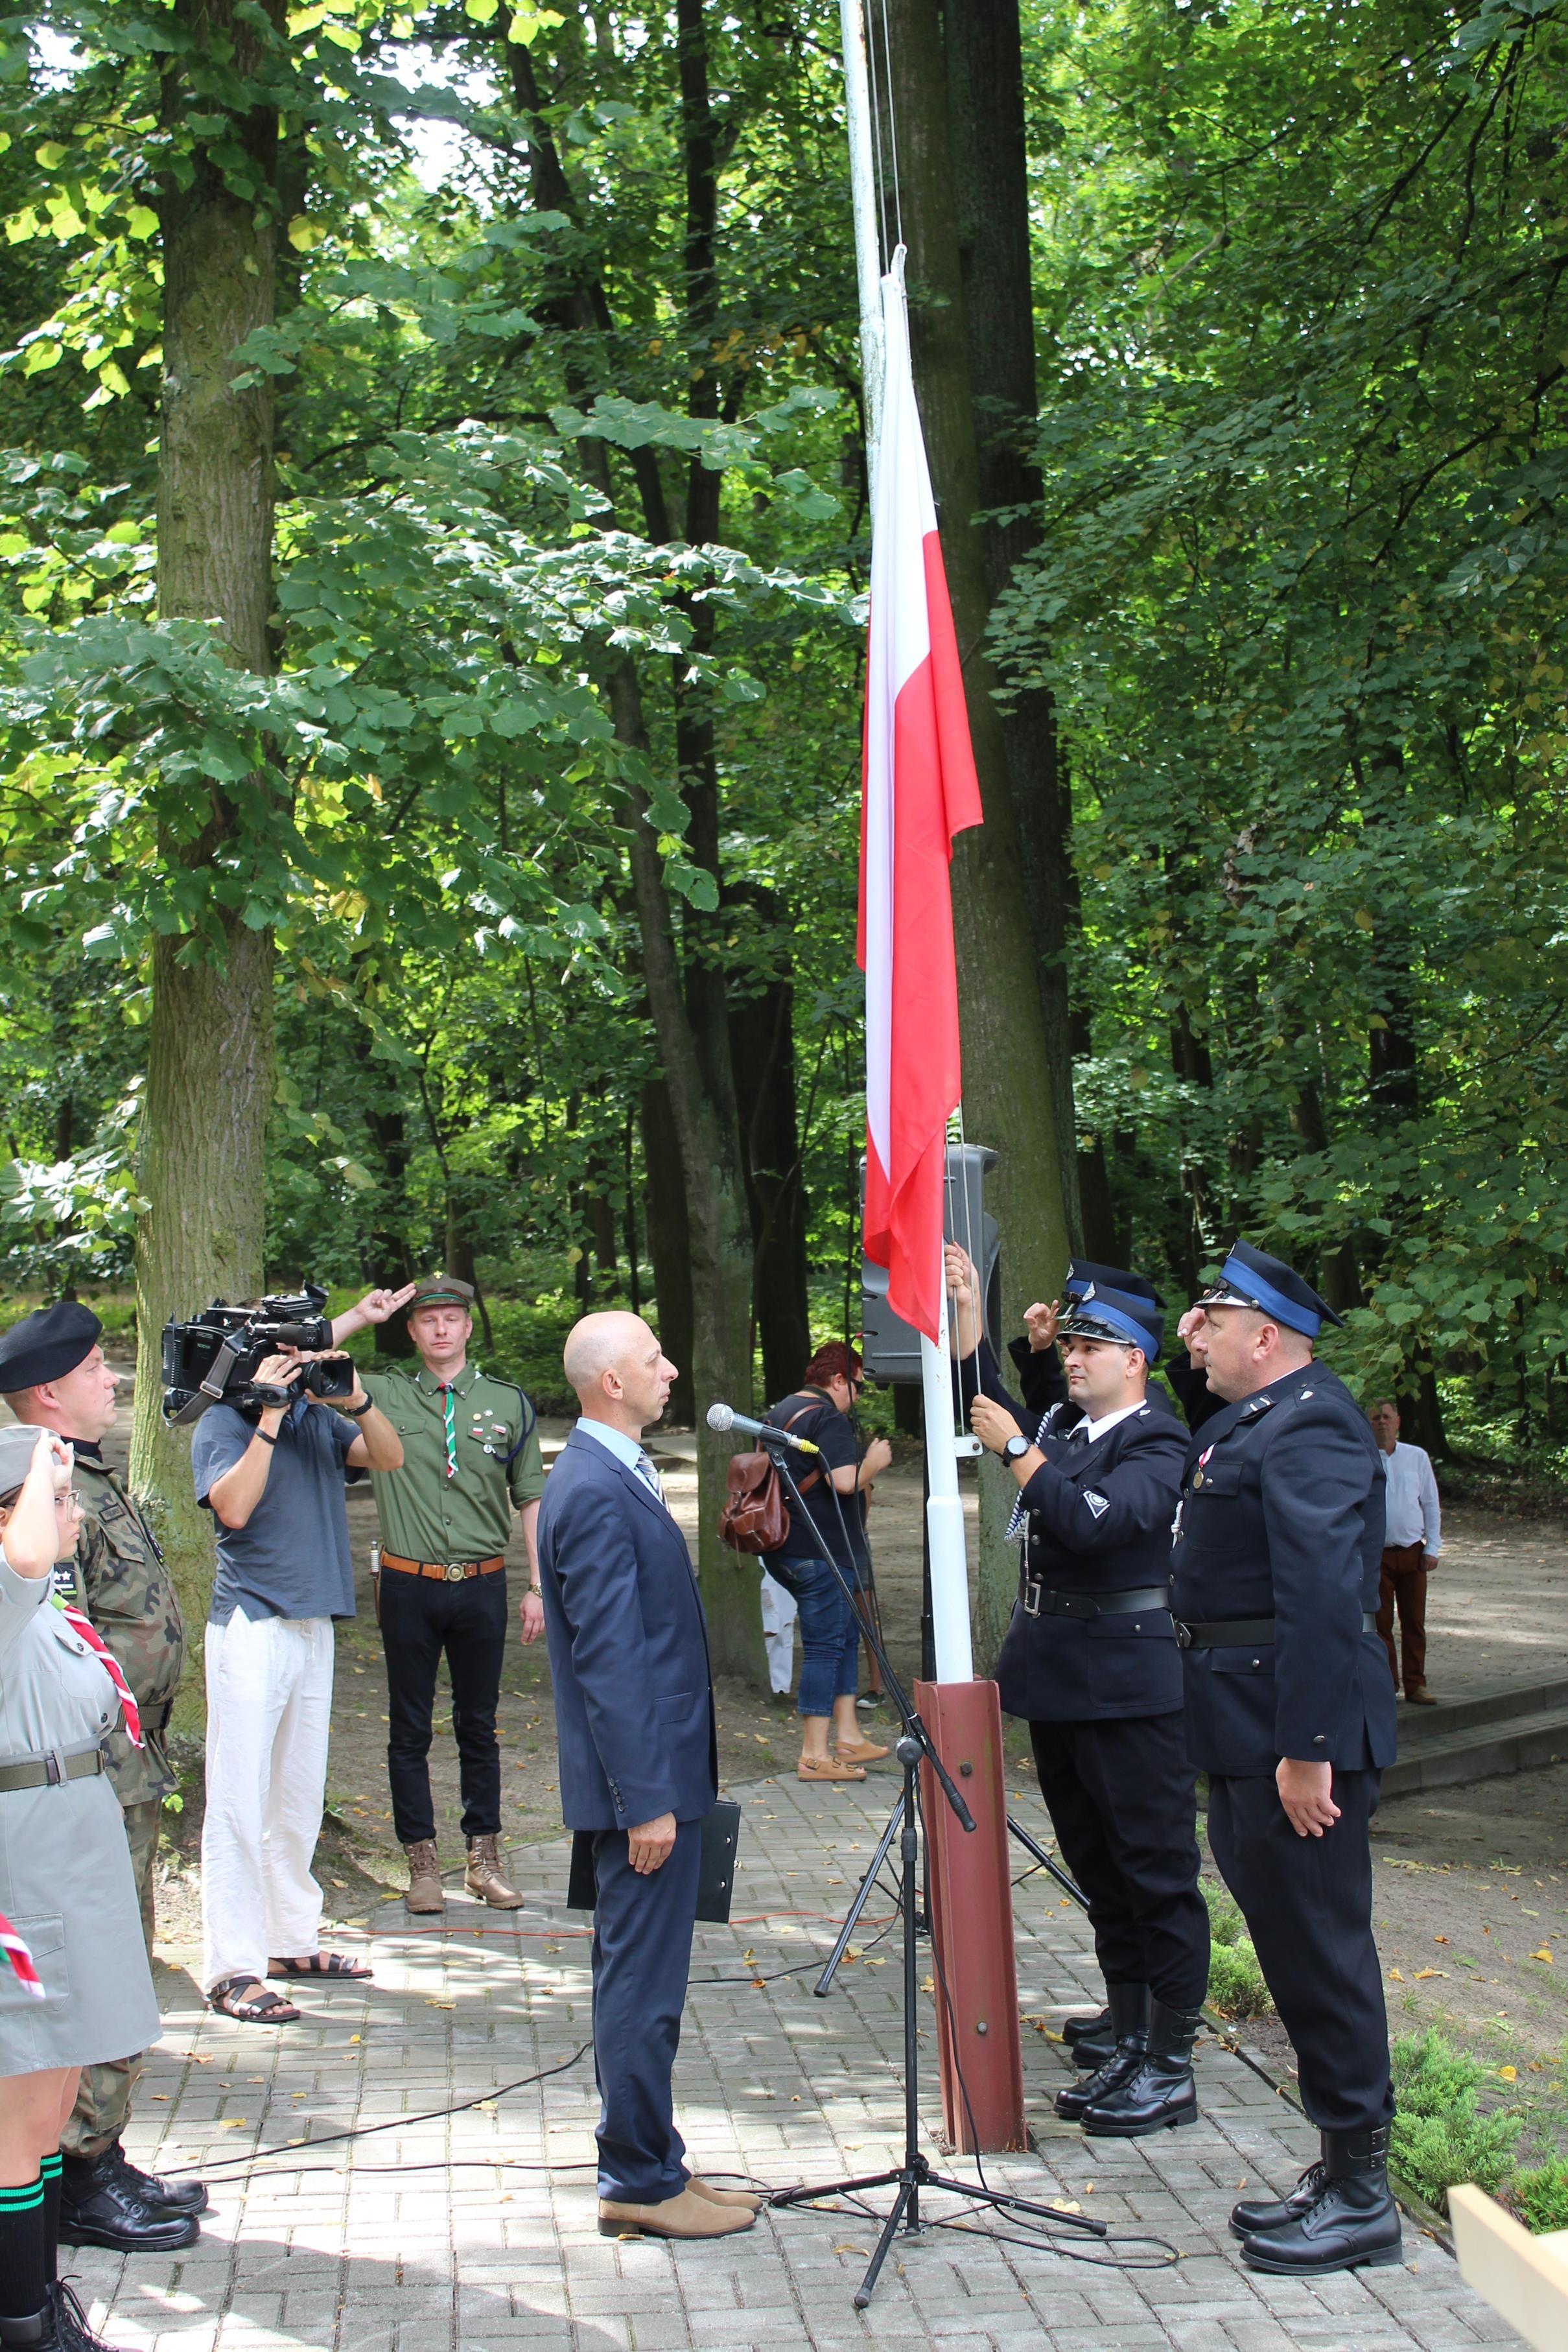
[
  {"x": 1106, "y": 1302},
  {"x": 1251, "y": 1278},
  {"x": 47, "y": 1345},
  {"x": 441, "y": 1290}
]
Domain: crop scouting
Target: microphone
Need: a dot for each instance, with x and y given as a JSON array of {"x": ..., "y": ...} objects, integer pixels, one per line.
[{"x": 721, "y": 1417}]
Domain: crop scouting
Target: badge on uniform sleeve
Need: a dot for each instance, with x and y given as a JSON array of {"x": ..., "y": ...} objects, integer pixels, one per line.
[{"x": 1097, "y": 1503}]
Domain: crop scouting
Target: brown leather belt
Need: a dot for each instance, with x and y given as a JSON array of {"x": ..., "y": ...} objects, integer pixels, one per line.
[{"x": 454, "y": 1571}]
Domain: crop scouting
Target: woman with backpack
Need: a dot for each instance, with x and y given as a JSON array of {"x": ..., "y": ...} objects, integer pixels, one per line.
[{"x": 834, "y": 1495}]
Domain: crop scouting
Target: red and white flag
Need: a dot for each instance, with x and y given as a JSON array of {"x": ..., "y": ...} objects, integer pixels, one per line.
[{"x": 920, "y": 789}]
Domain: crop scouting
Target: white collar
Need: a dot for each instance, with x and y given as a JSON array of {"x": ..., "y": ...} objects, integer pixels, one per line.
[
  {"x": 1093, "y": 1428},
  {"x": 615, "y": 1441}
]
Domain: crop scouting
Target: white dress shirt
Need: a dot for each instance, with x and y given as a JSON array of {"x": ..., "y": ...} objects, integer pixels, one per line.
[
  {"x": 1090, "y": 1430},
  {"x": 1413, "y": 1513},
  {"x": 625, "y": 1449}
]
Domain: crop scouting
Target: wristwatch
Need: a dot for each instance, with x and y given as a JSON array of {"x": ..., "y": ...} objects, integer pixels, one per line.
[
  {"x": 1016, "y": 1446},
  {"x": 357, "y": 1411}
]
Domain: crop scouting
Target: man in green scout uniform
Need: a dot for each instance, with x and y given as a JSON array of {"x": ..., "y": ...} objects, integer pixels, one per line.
[
  {"x": 471, "y": 1456},
  {"x": 53, "y": 1376}
]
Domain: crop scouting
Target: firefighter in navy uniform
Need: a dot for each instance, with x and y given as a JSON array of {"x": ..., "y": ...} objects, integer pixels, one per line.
[
  {"x": 1290, "y": 1711},
  {"x": 1090, "y": 1662}
]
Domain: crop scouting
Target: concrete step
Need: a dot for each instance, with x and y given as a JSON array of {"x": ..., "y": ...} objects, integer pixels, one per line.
[
  {"x": 1480, "y": 1751},
  {"x": 1496, "y": 1702}
]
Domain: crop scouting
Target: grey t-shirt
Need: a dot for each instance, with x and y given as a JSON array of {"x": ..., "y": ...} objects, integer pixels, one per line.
[{"x": 291, "y": 1558}]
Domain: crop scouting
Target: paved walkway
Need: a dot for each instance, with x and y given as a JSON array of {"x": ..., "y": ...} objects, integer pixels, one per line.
[{"x": 439, "y": 2231}]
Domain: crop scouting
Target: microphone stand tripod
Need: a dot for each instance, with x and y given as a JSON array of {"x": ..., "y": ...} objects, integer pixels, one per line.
[{"x": 914, "y": 2174}]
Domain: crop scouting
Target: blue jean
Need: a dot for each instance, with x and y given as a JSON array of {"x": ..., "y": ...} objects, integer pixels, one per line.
[{"x": 830, "y": 1633}]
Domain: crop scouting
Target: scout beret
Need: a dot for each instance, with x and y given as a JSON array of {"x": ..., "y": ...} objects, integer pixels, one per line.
[
  {"x": 17, "y": 1446},
  {"x": 47, "y": 1345},
  {"x": 1251, "y": 1279},
  {"x": 441, "y": 1290},
  {"x": 1106, "y": 1302}
]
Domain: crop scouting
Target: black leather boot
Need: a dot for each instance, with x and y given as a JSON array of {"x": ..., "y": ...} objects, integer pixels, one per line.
[
  {"x": 1157, "y": 2094},
  {"x": 36, "y": 2332},
  {"x": 167, "y": 2196},
  {"x": 100, "y": 2207},
  {"x": 1095, "y": 2030},
  {"x": 70, "y": 2322},
  {"x": 1352, "y": 2220},
  {"x": 1128, "y": 2010},
  {"x": 1272, "y": 2212}
]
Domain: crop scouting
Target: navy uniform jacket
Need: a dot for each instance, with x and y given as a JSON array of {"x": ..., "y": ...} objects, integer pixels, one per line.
[
  {"x": 1098, "y": 1522},
  {"x": 628, "y": 1648},
  {"x": 1281, "y": 1517}
]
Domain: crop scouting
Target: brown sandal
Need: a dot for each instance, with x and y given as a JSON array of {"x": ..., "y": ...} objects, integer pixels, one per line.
[
  {"x": 265, "y": 2008},
  {"x": 827, "y": 1768}
]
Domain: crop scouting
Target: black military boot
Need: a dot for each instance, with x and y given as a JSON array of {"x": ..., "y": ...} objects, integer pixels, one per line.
[
  {"x": 1272, "y": 2212},
  {"x": 166, "y": 2196},
  {"x": 1352, "y": 2220},
  {"x": 70, "y": 2322},
  {"x": 36, "y": 2332},
  {"x": 1129, "y": 2013},
  {"x": 1157, "y": 2094},
  {"x": 1094, "y": 2030},
  {"x": 100, "y": 2207}
]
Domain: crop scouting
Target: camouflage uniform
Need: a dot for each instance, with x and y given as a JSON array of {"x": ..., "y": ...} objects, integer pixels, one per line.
[{"x": 128, "y": 1595}]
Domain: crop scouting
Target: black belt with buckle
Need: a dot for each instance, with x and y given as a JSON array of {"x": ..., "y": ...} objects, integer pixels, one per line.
[
  {"x": 50, "y": 1770},
  {"x": 1242, "y": 1633},
  {"x": 1039, "y": 1600}
]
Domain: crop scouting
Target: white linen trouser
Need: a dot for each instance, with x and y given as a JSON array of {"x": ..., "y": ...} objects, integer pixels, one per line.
[
  {"x": 270, "y": 1705},
  {"x": 780, "y": 1611}
]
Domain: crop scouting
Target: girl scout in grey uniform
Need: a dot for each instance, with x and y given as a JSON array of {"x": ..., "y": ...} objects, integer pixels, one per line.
[{"x": 65, "y": 1887}]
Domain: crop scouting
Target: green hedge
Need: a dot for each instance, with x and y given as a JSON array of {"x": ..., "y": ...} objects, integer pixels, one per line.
[{"x": 1236, "y": 1985}]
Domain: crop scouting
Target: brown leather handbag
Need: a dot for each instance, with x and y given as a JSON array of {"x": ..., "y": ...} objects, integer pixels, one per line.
[{"x": 755, "y": 1515}]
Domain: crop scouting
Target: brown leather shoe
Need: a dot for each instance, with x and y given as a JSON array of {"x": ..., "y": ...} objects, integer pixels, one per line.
[
  {"x": 827, "y": 1768},
  {"x": 688, "y": 2215},
  {"x": 739, "y": 2200},
  {"x": 1422, "y": 1696},
  {"x": 483, "y": 1876},
  {"x": 425, "y": 1892}
]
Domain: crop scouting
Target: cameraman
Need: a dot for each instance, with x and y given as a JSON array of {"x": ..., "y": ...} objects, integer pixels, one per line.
[{"x": 273, "y": 1476}]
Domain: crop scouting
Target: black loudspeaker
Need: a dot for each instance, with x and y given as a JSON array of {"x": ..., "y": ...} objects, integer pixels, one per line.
[{"x": 889, "y": 1345}]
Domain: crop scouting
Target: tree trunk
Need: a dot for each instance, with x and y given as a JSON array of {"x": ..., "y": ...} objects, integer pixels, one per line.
[
  {"x": 1006, "y": 1103},
  {"x": 990, "y": 182},
  {"x": 718, "y": 1224},
  {"x": 669, "y": 1242},
  {"x": 762, "y": 1050},
  {"x": 210, "y": 1067}
]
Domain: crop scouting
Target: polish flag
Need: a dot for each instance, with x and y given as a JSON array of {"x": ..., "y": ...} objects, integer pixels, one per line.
[{"x": 919, "y": 790}]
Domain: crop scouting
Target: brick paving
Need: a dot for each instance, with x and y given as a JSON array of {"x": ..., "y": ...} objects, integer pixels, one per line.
[{"x": 492, "y": 2243}]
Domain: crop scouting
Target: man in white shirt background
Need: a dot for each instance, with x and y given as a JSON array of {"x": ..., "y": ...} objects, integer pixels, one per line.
[{"x": 1412, "y": 1542}]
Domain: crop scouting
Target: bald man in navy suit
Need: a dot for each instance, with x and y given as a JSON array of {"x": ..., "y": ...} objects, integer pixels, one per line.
[{"x": 639, "y": 1765}]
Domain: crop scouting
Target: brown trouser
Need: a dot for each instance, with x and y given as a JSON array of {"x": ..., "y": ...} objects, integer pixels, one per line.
[{"x": 1404, "y": 1583}]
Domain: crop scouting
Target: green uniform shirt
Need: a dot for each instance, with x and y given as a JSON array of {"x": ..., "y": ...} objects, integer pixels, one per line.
[
  {"x": 127, "y": 1594},
  {"x": 425, "y": 1511}
]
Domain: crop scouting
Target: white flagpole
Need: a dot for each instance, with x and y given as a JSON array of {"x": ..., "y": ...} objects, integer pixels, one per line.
[
  {"x": 945, "y": 1510},
  {"x": 868, "y": 250}
]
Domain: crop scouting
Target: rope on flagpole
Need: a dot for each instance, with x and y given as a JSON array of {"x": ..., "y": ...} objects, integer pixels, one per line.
[{"x": 892, "y": 122}]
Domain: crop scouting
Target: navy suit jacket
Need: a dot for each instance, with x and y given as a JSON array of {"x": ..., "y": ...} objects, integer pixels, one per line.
[
  {"x": 628, "y": 1648},
  {"x": 1283, "y": 1517}
]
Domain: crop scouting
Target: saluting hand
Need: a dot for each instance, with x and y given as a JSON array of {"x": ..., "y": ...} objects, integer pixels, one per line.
[
  {"x": 378, "y": 1306},
  {"x": 1041, "y": 1323},
  {"x": 1306, "y": 1791}
]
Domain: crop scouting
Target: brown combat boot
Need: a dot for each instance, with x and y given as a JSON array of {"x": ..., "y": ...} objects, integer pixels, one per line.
[
  {"x": 483, "y": 1876},
  {"x": 425, "y": 1892}
]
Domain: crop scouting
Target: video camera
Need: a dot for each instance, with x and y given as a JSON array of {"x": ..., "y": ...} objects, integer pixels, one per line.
[{"x": 215, "y": 1358}]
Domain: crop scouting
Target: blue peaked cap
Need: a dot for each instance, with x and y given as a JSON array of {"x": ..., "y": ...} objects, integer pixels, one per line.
[
  {"x": 1106, "y": 1302},
  {"x": 1251, "y": 1279}
]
